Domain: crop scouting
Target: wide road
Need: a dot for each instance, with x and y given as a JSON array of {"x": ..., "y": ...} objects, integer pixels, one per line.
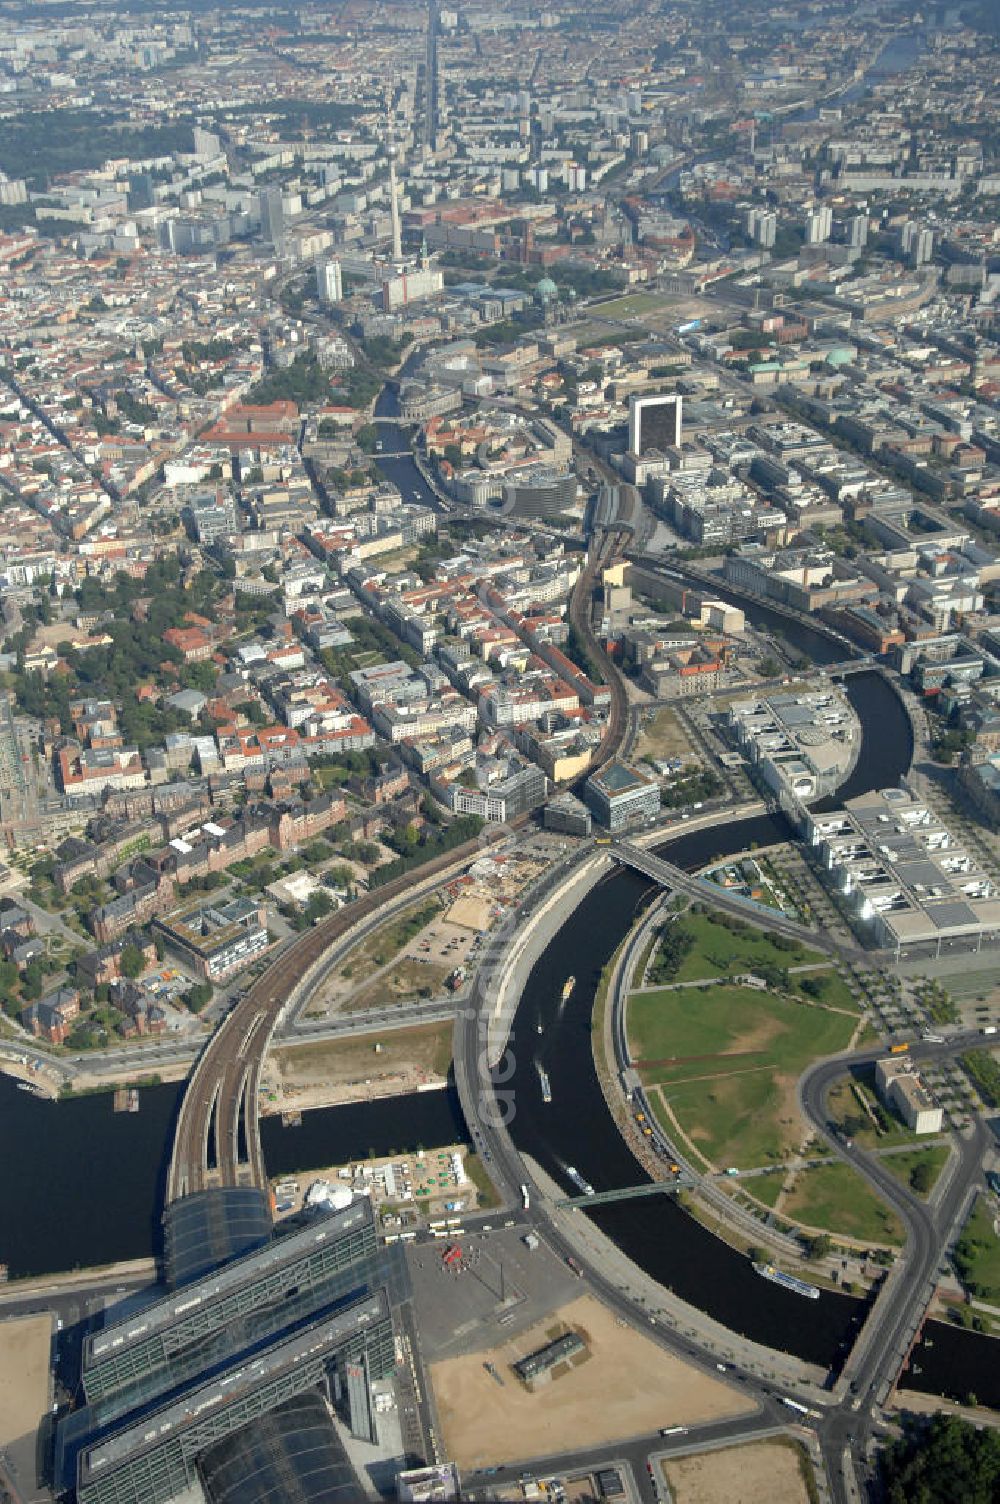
[
  {"x": 217, "y": 1140},
  {"x": 888, "y": 1333},
  {"x": 771, "y": 1420}
]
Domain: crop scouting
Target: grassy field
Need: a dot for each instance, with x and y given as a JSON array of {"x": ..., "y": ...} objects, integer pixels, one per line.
[
  {"x": 633, "y": 305},
  {"x": 834, "y": 991},
  {"x": 663, "y": 737},
  {"x": 690, "y": 1033},
  {"x": 742, "y": 1120},
  {"x": 977, "y": 1253},
  {"x": 765, "y": 1188},
  {"x": 836, "y": 1197},
  {"x": 379, "y": 949},
  {"x": 935, "y": 1156},
  {"x": 727, "y": 1060},
  {"x": 718, "y": 951}
]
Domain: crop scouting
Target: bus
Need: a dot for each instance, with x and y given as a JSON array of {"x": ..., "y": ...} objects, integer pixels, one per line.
[{"x": 525, "y": 1198}]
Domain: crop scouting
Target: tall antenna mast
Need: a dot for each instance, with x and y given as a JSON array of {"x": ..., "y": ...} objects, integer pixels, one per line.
[{"x": 397, "y": 233}]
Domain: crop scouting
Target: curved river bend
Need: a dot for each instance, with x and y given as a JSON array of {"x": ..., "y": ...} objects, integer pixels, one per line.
[{"x": 84, "y": 1185}]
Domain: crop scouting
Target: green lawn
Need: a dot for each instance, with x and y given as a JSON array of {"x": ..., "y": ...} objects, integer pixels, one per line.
[
  {"x": 844, "y": 1108},
  {"x": 836, "y": 1198},
  {"x": 935, "y": 1156},
  {"x": 719, "y": 951},
  {"x": 694, "y": 1032},
  {"x": 834, "y": 991},
  {"x": 733, "y": 1120},
  {"x": 632, "y": 306},
  {"x": 728, "y": 1059},
  {"x": 765, "y": 1188},
  {"x": 977, "y": 1253}
]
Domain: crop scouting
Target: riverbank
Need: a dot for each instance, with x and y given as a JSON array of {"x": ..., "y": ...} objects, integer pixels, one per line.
[
  {"x": 132, "y": 1271},
  {"x": 665, "y": 1306}
]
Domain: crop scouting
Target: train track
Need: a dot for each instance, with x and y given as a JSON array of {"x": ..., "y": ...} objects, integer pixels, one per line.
[
  {"x": 579, "y": 615},
  {"x": 217, "y": 1139}
]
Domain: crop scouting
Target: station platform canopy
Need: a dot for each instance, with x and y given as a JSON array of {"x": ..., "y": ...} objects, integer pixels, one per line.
[
  {"x": 292, "y": 1454},
  {"x": 204, "y": 1231}
]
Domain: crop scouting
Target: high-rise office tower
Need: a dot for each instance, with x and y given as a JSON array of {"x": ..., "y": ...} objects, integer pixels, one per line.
[
  {"x": 329, "y": 282},
  {"x": 857, "y": 230},
  {"x": 272, "y": 217}
]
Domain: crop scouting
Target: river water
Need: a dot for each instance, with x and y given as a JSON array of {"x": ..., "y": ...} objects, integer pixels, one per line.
[{"x": 956, "y": 1364}]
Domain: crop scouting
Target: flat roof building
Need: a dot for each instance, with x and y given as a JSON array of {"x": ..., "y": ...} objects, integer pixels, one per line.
[
  {"x": 919, "y": 886},
  {"x": 170, "y": 1340},
  {"x": 568, "y": 814},
  {"x": 429, "y": 1485},
  {"x": 806, "y": 742},
  {"x": 654, "y": 422},
  {"x": 901, "y": 1086},
  {"x": 621, "y": 797},
  {"x": 216, "y": 939},
  {"x": 539, "y": 1365}
]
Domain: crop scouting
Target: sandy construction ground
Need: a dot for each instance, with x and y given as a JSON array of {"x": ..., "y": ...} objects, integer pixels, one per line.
[
  {"x": 471, "y": 914},
  {"x": 628, "y": 1387},
  {"x": 350, "y": 1070},
  {"x": 25, "y": 1343},
  {"x": 758, "y": 1473}
]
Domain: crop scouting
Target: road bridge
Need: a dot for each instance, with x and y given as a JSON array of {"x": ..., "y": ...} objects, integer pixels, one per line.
[{"x": 668, "y": 876}]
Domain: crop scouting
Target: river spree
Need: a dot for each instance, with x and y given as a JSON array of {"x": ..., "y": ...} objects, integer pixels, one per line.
[
  {"x": 85, "y": 1185},
  {"x": 81, "y": 1185}
]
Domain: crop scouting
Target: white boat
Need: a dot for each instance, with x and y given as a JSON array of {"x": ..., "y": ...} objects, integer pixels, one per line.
[
  {"x": 787, "y": 1281},
  {"x": 583, "y": 1186}
]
